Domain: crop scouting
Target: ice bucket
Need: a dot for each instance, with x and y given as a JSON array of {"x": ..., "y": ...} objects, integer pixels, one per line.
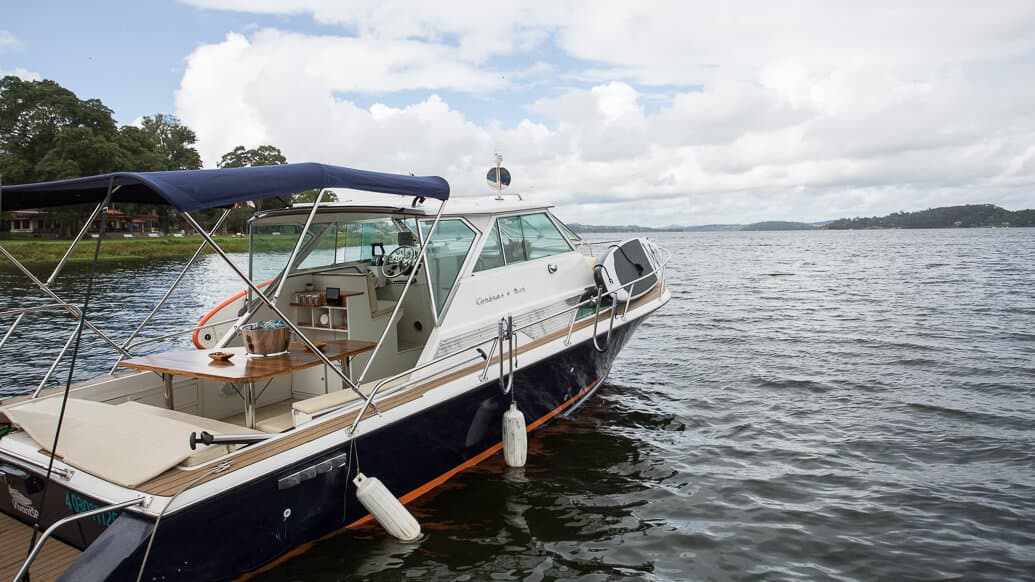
[{"x": 263, "y": 342}]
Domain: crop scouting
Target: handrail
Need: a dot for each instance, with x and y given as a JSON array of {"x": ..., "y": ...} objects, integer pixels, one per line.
[
  {"x": 377, "y": 387},
  {"x": 506, "y": 331},
  {"x": 610, "y": 325},
  {"x": 50, "y": 530},
  {"x": 65, "y": 474}
]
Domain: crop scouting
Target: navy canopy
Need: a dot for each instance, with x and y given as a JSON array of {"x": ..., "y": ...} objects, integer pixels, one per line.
[{"x": 195, "y": 189}]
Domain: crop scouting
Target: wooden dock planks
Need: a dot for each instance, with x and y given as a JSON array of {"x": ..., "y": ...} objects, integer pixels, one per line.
[{"x": 14, "y": 547}]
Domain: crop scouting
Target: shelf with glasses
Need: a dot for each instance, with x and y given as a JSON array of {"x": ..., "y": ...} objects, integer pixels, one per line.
[{"x": 323, "y": 317}]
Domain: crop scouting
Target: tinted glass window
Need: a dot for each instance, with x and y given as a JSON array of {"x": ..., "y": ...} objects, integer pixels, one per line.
[
  {"x": 492, "y": 253},
  {"x": 513, "y": 239},
  {"x": 446, "y": 252},
  {"x": 523, "y": 238},
  {"x": 542, "y": 238}
]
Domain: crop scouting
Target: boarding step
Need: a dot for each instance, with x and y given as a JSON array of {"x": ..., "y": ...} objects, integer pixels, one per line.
[{"x": 14, "y": 547}]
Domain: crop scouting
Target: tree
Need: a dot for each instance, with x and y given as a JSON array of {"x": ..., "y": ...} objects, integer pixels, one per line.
[
  {"x": 239, "y": 157},
  {"x": 264, "y": 155},
  {"x": 48, "y": 133},
  {"x": 175, "y": 143},
  {"x": 34, "y": 115}
]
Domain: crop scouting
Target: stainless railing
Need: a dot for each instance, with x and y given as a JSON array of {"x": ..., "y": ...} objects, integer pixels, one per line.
[
  {"x": 507, "y": 329},
  {"x": 50, "y": 530}
]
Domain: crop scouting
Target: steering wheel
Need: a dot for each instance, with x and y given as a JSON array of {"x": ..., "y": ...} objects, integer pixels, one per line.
[{"x": 399, "y": 262}]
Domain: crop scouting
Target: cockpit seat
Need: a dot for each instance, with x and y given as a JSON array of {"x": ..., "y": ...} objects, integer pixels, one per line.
[{"x": 303, "y": 411}]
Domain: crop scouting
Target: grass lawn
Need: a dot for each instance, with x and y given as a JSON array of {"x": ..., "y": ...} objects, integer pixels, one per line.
[{"x": 34, "y": 250}]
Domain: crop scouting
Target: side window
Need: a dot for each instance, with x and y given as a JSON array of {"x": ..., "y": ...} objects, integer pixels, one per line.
[
  {"x": 492, "y": 253},
  {"x": 542, "y": 238},
  {"x": 513, "y": 239},
  {"x": 521, "y": 238}
]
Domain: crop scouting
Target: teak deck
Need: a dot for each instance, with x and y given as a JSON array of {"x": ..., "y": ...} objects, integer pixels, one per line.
[
  {"x": 175, "y": 480},
  {"x": 14, "y": 548}
]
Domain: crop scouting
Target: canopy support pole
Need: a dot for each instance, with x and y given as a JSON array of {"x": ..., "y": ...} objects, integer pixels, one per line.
[
  {"x": 398, "y": 304},
  {"x": 169, "y": 292},
  {"x": 75, "y": 311},
  {"x": 251, "y": 307},
  {"x": 60, "y": 265},
  {"x": 272, "y": 305},
  {"x": 298, "y": 246},
  {"x": 75, "y": 355}
]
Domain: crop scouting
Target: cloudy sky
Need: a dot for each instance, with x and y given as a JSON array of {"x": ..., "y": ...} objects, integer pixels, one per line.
[{"x": 620, "y": 112}]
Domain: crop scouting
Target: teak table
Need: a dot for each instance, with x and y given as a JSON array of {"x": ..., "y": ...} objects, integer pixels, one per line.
[{"x": 240, "y": 369}]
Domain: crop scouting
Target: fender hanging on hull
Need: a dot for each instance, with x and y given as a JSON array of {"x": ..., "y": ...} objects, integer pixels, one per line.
[{"x": 265, "y": 524}]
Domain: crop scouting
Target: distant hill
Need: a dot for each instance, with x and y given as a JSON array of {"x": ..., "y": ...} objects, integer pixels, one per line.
[
  {"x": 966, "y": 216},
  {"x": 770, "y": 225},
  {"x": 969, "y": 215},
  {"x": 580, "y": 228},
  {"x": 779, "y": 225}
]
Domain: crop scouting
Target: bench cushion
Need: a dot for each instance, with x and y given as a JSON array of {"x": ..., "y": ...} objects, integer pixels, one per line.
[
  {"x": 338, "y": 397},
  {"x": 204, "y": 453},
  {"x": 115, "y": 443}
]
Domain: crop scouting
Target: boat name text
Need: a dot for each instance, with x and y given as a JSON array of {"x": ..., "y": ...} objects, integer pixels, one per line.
[{"x": 497, "y": 296}]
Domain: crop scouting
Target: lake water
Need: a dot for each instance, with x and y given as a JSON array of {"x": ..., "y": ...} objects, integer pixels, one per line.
[{"x": 810, "y": 405}]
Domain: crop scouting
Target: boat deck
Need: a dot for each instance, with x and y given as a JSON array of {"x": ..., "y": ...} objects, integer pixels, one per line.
[
  {"x": 177, "y": 479},
  {"x": 14, "y": 547}
]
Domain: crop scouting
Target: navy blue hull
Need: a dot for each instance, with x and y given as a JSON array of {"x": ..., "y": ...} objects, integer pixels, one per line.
[{"x": 254, "y": 524}]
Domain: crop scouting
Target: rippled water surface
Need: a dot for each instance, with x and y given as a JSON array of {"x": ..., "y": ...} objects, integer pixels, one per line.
[{"x": 810, "y": 405}]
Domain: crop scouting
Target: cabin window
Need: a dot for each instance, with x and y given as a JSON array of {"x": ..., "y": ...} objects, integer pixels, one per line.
[
  {"x": 450, "y": 243},
  {"x": 515, "y": 239},
  {"x": 530, "y": 237},
  {"x": 323, "y": 251},
  {"x": 492, "y": 253},
  {"x": 272, "y": 244}
]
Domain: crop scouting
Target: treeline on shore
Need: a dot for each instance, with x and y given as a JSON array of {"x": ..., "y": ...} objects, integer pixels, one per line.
[
  {"x": 48, "y": 133},
  {"x": 964, "y": 216}
]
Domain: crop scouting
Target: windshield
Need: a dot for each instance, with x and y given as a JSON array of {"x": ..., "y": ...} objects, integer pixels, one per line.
[{"x": 329, "y": 243}]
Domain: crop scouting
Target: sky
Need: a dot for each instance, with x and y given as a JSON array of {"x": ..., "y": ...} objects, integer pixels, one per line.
[{"x": 654, "y": 113}]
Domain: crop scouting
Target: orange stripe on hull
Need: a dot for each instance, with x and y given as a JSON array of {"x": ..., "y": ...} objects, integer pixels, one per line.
[{"x": 427, "y": 487}]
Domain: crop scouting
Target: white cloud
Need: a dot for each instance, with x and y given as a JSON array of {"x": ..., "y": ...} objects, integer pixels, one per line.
[
  {"x": 7, "y": 40},
  {"x": 728, "y": 112},
  {"x": 23, "y": 74}
]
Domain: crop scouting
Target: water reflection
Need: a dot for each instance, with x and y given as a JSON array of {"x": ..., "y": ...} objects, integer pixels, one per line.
[{"x": 124, "y": 292}]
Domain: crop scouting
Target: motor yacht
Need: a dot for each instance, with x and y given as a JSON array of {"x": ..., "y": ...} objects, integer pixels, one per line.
[{"x": 386, "y": 326}]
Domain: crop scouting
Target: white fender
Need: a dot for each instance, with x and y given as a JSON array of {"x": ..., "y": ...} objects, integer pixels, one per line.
[
  {"x": 385, "y": 508},
  {"x": 515, "y": 437}
]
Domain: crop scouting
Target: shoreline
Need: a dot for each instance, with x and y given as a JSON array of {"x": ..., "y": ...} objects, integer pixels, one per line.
[{"x": 36, "y": 251}]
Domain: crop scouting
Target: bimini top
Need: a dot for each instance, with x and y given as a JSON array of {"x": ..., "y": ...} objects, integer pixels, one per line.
[{"x": 195, "y": 189}]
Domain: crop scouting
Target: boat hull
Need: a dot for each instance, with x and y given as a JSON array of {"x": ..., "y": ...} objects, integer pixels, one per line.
[{"x": 256, "y": 523}]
